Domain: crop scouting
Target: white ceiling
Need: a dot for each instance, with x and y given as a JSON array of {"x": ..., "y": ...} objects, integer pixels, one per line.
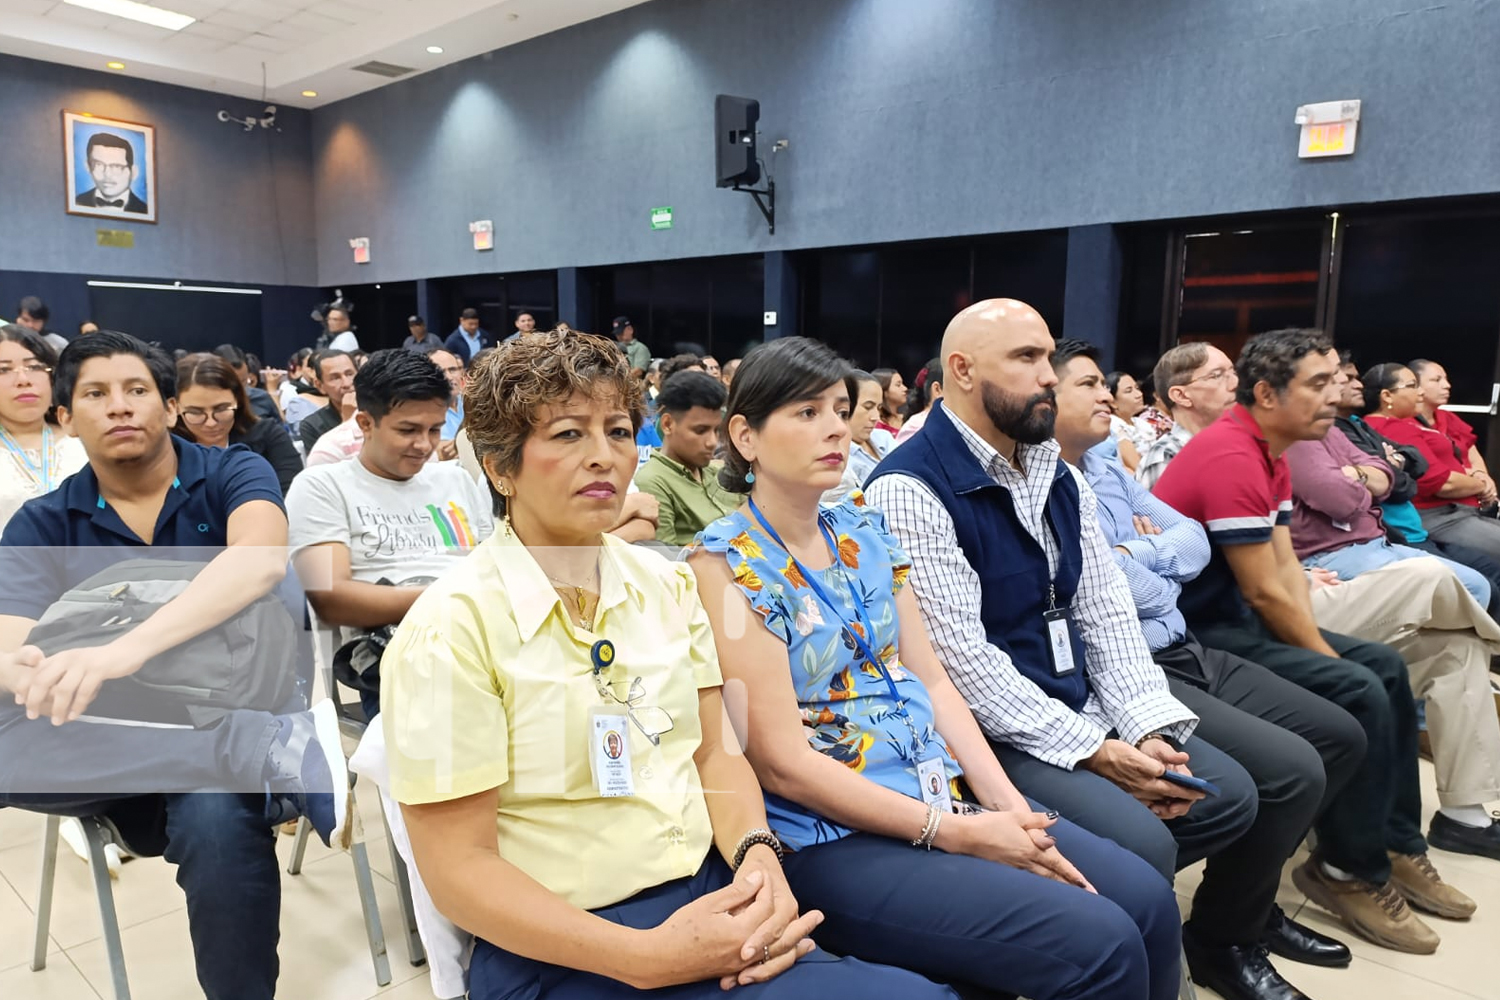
[{"x": 237, "y": 46}]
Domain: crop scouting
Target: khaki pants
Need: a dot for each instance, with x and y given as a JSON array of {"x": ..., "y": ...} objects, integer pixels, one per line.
[{"x": 1421, "y": 609}]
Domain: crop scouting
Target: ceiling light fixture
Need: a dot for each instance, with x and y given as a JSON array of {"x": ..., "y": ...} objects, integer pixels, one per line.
[
  {"x": 309, "y": 93},
  {"x": 145, "y": 13},
  {"x": 114, "y": 65},
  {"x": 436, "y": 50}
]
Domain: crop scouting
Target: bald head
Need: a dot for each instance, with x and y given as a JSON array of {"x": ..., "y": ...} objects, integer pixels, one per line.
[
  {"x": 975, "y": 330},
  {"x": 998, "y": 372}
]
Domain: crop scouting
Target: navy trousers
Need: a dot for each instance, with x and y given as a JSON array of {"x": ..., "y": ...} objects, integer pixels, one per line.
[
  {"x": 499, "y": 975},
  {"x": 973, "y": 922}
]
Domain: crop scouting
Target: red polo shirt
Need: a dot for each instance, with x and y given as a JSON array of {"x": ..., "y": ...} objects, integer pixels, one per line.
[{"x": 1226, "y": 480}]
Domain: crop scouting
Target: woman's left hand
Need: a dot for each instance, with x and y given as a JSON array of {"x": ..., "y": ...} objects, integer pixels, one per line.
[{"x": 782, "y": 931}]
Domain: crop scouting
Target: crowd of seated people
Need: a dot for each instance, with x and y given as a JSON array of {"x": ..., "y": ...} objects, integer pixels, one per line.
[{"x": 951, "y": 680}]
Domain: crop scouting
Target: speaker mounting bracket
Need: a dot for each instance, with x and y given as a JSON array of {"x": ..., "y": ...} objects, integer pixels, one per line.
[{"x": 765, "y": 200}]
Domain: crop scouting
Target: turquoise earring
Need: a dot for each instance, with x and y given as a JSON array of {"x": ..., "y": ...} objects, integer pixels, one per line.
[{"x": 749, "y": 477}]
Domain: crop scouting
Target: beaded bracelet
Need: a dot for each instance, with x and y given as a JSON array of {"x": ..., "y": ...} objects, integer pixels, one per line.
[
  {"x": 929, "y": 829},
  {"x": 749, "y": 840}
]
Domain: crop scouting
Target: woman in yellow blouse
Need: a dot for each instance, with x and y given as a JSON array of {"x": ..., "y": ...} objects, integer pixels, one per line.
[{"x": 553, "y": 715}]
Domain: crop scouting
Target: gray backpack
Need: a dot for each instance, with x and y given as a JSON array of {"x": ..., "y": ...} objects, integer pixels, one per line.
[{"x": 250, "y": 661}]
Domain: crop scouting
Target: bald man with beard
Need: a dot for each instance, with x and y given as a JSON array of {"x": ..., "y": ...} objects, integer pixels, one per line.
[{"x": 1038, "y": 629}]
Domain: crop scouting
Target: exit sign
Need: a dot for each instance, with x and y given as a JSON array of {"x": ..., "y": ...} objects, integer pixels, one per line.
[
  {"x": 1328, "y": 129},
  {"x": 661, "y": 218}
]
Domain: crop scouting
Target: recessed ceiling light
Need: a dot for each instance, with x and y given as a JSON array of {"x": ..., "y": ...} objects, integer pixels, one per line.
[
  {"x": 436, "y": 50},
  {"x": 145, "y": 13},
  {"x": 115, "y": 65},
  {"x": 309, "y": 93}
]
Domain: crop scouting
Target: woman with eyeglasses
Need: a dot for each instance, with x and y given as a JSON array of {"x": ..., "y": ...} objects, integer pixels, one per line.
[
  {"x": 896, "y": 815},
  {"x": 556, "y": 735},
  {"x": 37, "y": 454},
  {"x": 1451, "y": 492},
  {"x": 213, "y": 410}
]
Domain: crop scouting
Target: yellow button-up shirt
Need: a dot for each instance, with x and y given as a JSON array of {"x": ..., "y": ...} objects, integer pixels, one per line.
[{"x": 488, "y": 684}]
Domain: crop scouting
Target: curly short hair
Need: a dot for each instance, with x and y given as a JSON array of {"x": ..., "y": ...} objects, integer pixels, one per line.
[
  {"x": 1273, "y": 357},
  {"x": 508, "y": 387}
]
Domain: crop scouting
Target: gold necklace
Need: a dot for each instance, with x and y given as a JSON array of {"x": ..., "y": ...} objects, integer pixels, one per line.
[{"x": 580, "y": 596}]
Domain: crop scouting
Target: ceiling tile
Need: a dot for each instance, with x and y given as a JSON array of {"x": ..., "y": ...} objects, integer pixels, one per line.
[
  {"x": 343, "y": 12},
  {"x": 183, "y": 43},
  {"x": 265, "y": 43},
  {"x": 193, "y": 8},
  {"x": 287, "y": 31},
  {"x": 219, "y": 33},
  {"x": 238, "y": 21},
  {"x": 270, "y": 10},
  {"x": 32, "y": 8},
  {"x": 316, "y": 24}
]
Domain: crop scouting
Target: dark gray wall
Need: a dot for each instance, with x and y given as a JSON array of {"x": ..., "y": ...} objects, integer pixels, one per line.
[
  {"x": 233, "y": 206},
  {"x": 907, "y": 118}
]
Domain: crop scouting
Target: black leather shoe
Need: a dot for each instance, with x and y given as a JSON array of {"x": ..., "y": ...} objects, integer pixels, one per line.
[
  {"x": 1300, "y": 943},
  {"x": 1450, "y": 835},
  {"x": 1239, "y": 972}
]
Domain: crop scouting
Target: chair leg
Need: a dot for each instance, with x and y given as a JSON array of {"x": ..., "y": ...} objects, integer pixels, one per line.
[
  {"x": 1187, "y": 991},
  {"x": 373, "y": 930},
  {"x": 44, "y": 894},
  {"x": 365, "y": 880},
  {"x": 415, "y": 948},
  {"x": 98, "y": 836},
  {"x": 299, "y": 846}
]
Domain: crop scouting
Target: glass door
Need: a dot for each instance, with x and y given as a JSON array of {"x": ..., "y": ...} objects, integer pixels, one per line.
[{"x": 1235, "y": 283}]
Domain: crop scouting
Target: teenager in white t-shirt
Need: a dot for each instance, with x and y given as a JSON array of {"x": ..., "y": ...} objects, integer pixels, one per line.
[{"x": 387, "y": 514}]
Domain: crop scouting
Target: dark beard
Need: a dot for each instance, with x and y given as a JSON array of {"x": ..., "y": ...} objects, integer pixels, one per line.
[{"x": 1022, "y": 419}]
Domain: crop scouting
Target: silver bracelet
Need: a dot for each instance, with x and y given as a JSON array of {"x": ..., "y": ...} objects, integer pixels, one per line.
[{"x": 929, "y": 829}]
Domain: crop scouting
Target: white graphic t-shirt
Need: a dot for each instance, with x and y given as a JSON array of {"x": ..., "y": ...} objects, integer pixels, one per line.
[{"x": 394, "y": 530}]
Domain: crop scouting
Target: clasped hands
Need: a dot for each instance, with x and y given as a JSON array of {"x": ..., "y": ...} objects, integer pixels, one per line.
[
  {"x": 1139, "y": 771},
  {"x": 63, "y": 685}
]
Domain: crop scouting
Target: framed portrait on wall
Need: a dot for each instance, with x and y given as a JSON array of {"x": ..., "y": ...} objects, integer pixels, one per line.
[{"x": 110, "y": 167}]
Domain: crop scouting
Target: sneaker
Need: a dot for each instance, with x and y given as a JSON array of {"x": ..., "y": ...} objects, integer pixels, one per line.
[
  {"x": 1418, "y": 881},
  {"x": 306, "y": 771},
  {"x": 1377, "y": 913}
]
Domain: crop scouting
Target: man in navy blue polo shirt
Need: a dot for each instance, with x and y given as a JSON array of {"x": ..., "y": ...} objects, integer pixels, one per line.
[{"x": 145, "y": 488}]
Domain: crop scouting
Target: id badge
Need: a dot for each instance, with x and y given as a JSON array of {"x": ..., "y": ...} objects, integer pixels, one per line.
[
  {"x": 1059, "y": 642},
  {"x": 934, "y": 780},
  {"x": 609, "y": 753}
]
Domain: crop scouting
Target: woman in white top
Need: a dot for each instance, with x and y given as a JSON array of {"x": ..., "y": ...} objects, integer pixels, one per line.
[
  {"x": 1128, "y": 402},
  {"x": 868, "y": 443},
  {"x": 37, "y": 454}
]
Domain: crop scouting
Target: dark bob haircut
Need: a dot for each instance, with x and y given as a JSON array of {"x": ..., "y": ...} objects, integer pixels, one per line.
[
  {"x": 785, "y": 371},
  {"x": 108, "y": 344}
]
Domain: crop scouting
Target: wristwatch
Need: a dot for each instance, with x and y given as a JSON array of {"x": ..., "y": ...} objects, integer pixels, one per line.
[{"x": 1159, "y": 736}]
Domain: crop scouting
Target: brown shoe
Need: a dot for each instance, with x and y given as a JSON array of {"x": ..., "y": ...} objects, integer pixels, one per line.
[
  {"x": 1375, "y": 912},
  {"x": 1413, "y": 876}
]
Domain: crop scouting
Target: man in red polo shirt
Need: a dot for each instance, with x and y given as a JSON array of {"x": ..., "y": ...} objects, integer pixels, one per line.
[{"x": 1253, "y": 600}]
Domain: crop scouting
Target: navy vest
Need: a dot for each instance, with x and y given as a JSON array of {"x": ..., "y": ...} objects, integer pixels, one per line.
[{"x": 1011, "y": 565}]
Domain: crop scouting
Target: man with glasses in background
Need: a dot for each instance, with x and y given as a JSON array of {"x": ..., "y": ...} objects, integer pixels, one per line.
[
  {"x": 1196, "y": 383},
  {"x": 111, "y": 163}
]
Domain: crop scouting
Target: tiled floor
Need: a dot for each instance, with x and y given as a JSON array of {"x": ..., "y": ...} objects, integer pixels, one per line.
[{"x": 324, "y": 955}]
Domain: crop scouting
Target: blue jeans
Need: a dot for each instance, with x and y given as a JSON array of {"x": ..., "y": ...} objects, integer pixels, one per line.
[
  {"x": 495, "y": 974},
  {"x": 1352, "y": 560}
]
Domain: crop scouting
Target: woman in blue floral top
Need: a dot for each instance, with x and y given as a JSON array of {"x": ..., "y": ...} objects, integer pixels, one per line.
[{"x": 869, "y": 756}]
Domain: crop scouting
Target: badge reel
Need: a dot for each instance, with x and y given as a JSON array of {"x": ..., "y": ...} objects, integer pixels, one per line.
[{"x": 609, "y": 736}]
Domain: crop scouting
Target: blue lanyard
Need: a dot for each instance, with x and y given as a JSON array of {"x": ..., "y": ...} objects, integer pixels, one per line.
[{"x": 812, "y": 582}]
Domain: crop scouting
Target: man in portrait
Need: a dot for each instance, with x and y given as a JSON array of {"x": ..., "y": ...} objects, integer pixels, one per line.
[{"x": 111, "y": 163}]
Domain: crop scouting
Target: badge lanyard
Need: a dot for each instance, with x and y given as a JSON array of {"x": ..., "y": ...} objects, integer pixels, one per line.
[
  {"x": 41, "y": 474},
  {"x": 812, "y": 583}
]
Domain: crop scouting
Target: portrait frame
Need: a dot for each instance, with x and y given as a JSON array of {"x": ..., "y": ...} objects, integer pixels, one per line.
[{"x": 82, "y": 178}]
